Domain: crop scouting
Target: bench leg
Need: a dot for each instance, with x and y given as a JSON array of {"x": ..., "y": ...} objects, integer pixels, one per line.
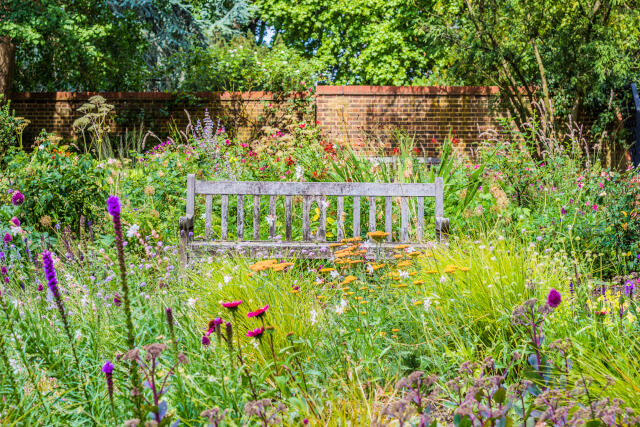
[
  {"x": 185, "y": 225},
  {"x": 442, "y": 230}
]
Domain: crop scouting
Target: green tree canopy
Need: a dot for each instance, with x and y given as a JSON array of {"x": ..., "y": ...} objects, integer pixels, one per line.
[{"x": 375, "y": 42}]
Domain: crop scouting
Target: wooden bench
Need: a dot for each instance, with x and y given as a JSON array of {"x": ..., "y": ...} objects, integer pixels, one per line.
[{"x": 311, "y": 246}]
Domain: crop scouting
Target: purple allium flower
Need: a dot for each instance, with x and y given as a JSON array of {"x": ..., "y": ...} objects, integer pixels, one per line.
[
  {"x": 206, "y": 341},
  {"x": 17, "y": 198},
  {"x": 15, "y": 221},
  {"x": 40, "y": 287},
  {"x": 256, "y": 333},
  {"x": 563, "y": 211},
  {"x": 554, "y": 298},
  {"x": 3, "y": 270},
  {"x": 7, "y": 238}
]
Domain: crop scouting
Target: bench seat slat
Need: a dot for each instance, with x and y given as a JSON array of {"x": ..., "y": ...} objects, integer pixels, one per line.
[
  {"x": 224, "y": 217},
  {"x": 315, "y": 188},
  {"x": 404, "y": 219},
  {"x": 288, "y": 217},
  {"x": 207, "y": 216},
  {"x": 388, "y": 217},
  {"x": 240, "y": 221},
  {"x": 340, "y": 214}
]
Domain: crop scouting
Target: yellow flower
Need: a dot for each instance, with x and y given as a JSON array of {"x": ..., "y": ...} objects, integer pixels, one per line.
[
  {"x": 350, "y": 293},
  {"x": 383, "y": 334},
  {"x": 464, "y": 268},
  {"x": 630, "y": 317},
  {"x": 322, "y": 296},
  {"x": 417, "y": 303},
  {"x": 326, "y": 270},
  {"x": 371, "y": 291},
  {"x": 413, "y": 273},
  {"x": 431, "y": 271},
  {"x": 377, "y": 235},
  {"x": 404, "y": 264},
  {"x": 358, "y": 330},
  {"x": 295, "y": 291},
  {"x": 363, "y": 302},
  {"x": 346, "y": 288},
  {"x": 363, "y": 288},
  {"x": 418, "y": 282},
  {"x": 348, "y": 280},
  {"x": 395, "y": 330},
  {"x": 402, "y": 285},
  {"x": 415, "y": 253},
  {"x": 401, "y": 247},
  {"x": 358, "y": 298},
  {"x": 397, "y": 256}
]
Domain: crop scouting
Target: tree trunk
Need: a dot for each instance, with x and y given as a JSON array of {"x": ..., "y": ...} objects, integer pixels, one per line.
[{"x": 7, "y": 64}]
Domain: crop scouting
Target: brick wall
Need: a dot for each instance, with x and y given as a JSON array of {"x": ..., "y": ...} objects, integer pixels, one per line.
[
  {"x": 56, "y": 111},
  {"x": 366, "y": 113},
  {"x": 346, "y": 113}
]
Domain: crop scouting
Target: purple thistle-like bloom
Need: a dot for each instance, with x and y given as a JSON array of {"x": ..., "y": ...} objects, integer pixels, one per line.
[
  {"x": 7, "y": 238},
  {"x": 40, "y": 287},
  {"x": 50, "y": 274},
  {"x": 3, "y": 270},
  {"x": 17, "y": 198},
  {"x": 107, "y": 368},
  {"x": 206, "y": 341},
  {"x": 554, "y": 298},
  {"x": 15, "y": 221},
  {"x": 563, "y": 211}
]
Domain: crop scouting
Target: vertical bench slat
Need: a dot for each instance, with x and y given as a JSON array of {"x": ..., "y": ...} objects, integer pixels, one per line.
[
  {"x": 322, "y": 228},
  {"x": 340, "y": 214},
  {"x": 207, "y": 216},
  {"x": 288, "y": 217},
  {"x": 272, "y": 214},
  {"x": 439, "y": 201},
  {"x": 256, "y": 217},
  {"x": 356, "y": 216},
  {"x": 191, "y": 194},
  {"x": 240, "y": 222},
  {"x": 404, "y": 222},
  {"x": 420, "y": 219},
  {"x": 372, "y": 214},
  {"x": 224, "y": 217},
  {"x": 388, "y": 217},
  {"x": 306, "y": 207}
]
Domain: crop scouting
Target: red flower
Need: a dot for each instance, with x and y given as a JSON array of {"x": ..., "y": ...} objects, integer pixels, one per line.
[
  {"x": 259, "y": 312},
  {"x": 317, "y": 122},
  {"x": 303, "y": 125},
  {"x": 396, "y": 151},
  {"x": 256, "y": 333},
  {"x": 290, "y": 161},
  {"x": 315, "y": 174},
  {"x": 434, "y": 140},
  {"x": 455, "y": 141},
  {"x": 232, "y": 305},
  {"x": 416, "y": 150}
]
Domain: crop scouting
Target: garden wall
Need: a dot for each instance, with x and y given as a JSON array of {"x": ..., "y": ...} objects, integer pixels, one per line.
[{"x": 346, "y": 113}]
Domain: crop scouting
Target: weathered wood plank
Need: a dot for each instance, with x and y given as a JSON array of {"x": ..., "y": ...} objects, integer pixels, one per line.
[
  {"x": 350, "y": 189},
  {"x": 288, "y": 217},
  {"x": 356, "y": 216},
  {"x": 224, "y": 217},
  {"x": 306, "y": 229},
  {"x": 404, "y": 219},
  {"x": 191, "y": 194},
  {"x": 272, "y": 216},
  {"x": 388, "y": 217},
  {"x": 340, "y": 213},
  {"x": 323, "y": 204},
  {"x": 240, "y": 221},
  {"x": 207, "y": 216},
  {"x": 420, "y": 219},
  {"x": 256, "y": 217},
  {"x": 439, "y": 197},
  {"x": 372, "y": 213}
]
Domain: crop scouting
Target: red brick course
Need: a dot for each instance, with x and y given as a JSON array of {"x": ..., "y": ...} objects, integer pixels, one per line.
[{"x": 353, "y": 114}]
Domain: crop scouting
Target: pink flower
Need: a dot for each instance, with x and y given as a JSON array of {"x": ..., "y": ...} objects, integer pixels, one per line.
[
  {"x": 595, "y": 207},
  {"x": 259, "y": 312},
  {"x": 256, "y": 333},
  {"x": 601, "y": 186},
  {"x": 580, "y": 185},
  {"x": 232, "y": 305}
]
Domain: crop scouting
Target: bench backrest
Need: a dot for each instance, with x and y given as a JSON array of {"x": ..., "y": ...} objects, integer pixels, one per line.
[{"x": 310, "y": 192}]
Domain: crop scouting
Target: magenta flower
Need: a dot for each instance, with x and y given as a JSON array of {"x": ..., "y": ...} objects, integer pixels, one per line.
[
  {"x": 256, "y": 333},
  {"x": 3, "y": 270},
  {"x": 554, "y": 299},
  {"x": 595, "y": 207},
  {"x": 206, "y": 341},
  {"x": 17, "y": 198},
  {"x": 233, "y": 305},
  {"x": 7, "y": 238},
  {"x": 214, "y": 324},
  {"x": 15, "y": 221},
  {"x": 116, "y": 300},
  {"x": 107, "y": 368},
  {"x": 259, "y": 312}
]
